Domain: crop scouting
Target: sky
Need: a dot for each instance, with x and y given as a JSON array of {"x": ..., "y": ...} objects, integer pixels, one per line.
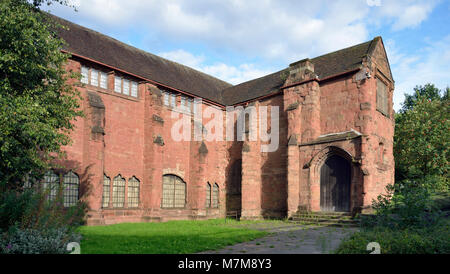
[{"x": 240, "y": 40}]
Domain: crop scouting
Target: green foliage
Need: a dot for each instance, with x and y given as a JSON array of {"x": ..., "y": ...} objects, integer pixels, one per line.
[
  {"x": 32, "y": 210},
  {"x": 422, "y": 136},
  {"x": 431, "y": 240},
  {"x": 37, "y": 102},
  {"x": 38, "y": 241},
  {"x": 180, "y": 237},
  {"x": 408, "y": 204}
]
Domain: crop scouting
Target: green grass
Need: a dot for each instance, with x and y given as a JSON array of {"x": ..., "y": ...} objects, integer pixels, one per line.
[{"x": 174, "y": 237}]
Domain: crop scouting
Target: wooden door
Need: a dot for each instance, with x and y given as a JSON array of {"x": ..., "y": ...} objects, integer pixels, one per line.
[{"x": 335, "y": 184}]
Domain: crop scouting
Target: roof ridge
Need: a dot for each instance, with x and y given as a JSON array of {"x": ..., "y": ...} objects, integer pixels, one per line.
[{"x": 344, "y": 49}]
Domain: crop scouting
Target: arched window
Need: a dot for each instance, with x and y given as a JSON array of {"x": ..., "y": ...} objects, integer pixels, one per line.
[
  {"x": 215, "y": 196},
  {"x": 106, "y": 191},
  {"x": 51, "y": 185},
  {"x": 71, "y": 184},
  {"x": 173, "y": 192},
  {"x": 208, "y": 195},
  {"x": 118, "y": 198},
  {"x": 133, "y": 192}
]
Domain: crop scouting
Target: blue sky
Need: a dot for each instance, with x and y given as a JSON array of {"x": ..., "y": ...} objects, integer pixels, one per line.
[{"x": 239, "y": 40}]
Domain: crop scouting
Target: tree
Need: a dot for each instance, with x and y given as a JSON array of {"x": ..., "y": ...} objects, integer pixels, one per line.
[
  {"x": 37, "y": 103},
  {"x": 422, "y": 134}
]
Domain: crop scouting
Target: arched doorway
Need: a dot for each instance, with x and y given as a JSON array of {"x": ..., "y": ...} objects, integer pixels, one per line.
[{"x": 335, "y": 178}]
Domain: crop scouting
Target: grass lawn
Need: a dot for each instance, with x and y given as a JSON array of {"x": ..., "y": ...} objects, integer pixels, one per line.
[{"x": 172, "y": 237}]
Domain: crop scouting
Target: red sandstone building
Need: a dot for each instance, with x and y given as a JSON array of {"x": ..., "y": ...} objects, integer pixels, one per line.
[{"x": 336, "y": 128}]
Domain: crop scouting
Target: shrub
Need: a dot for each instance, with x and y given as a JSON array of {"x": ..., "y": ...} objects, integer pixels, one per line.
[
  {"x": 431, "y": 240},
  {"x": 37, "y": 241},
  {"x": 406, "y": 204}
]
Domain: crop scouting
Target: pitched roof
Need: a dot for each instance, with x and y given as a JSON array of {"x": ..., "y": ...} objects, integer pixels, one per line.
[
  {"x": 324, "y": 66},
  {"x": 94, "y": 45}
]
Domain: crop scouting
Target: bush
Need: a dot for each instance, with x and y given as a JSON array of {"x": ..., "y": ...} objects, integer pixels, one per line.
[
  {"x": 406, "y": 204},
  {"x": 37, "y": 241},
  {"x": 431, "y": 240}
]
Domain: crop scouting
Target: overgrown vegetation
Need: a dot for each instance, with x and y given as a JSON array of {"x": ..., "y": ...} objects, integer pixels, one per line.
[
  {"x": 38, "y": 104},
  {"x": 409, "y": 218},
  {"x": 164, "y": 238}
]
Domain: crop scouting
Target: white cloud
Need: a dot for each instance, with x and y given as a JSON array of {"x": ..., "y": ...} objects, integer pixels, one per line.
[{"x": 230, "y": 74}]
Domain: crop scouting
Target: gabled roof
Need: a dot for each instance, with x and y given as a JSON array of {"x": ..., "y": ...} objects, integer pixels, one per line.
[
  {"x": 94, "y": 45},
  {"x": 324, "y": 66}
]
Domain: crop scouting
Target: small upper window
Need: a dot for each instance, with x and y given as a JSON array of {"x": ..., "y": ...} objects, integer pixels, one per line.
[
  {"x": 173, "y": 101},
  {"x": 103, "y": 80},
  {"x": 134, "y": 89},
  {"x": 117, "y": 84},
  {"x": 94, "y": 77},
  {"x": 84, "y": 75},
  {"x": 126, "y": 87},
  {"x": 166, "y": 98}
]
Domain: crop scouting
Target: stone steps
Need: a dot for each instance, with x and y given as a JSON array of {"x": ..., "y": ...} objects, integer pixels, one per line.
[{"x": 324, "y": 218}]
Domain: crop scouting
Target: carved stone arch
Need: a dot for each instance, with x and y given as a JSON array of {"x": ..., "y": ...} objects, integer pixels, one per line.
[{"x": 315, "y": 165}]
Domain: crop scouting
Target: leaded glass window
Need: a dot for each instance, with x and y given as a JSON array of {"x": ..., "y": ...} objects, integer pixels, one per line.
[
  {"x": 208, "y": 195},
  {"x": 94, "y": 77},
  {"x": 103, "y": 80},
  {"x": 126, "y": 87},
  {"x": 166, "y": 98},
  {"x": 133, "y": 192},
  {"x": 174, "y": 192},
  {"x": 118, "y": 198},
  {"x": 51, "y": 185},
  {"x": 215, "y": 196},
  {"x": 84, "y": 75},
  {"x": 134, "y": 89},
  {"x": 106, "y": 191},
  {"x": 173, "y": 100},
  {"x": 117, "y": 84},
  {"x": 71, "y": 184},
  {"x": 189, "y": 105}
]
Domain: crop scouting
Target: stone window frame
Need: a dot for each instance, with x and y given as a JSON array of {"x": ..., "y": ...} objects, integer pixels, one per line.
[
  {"x": 382, "y": 97},
  {"x": 215, "y": 196},
  {"x": 118, "y": 192},
  {"x": 169, "y": 199},
  {"x": 208, "y": 195},
  {"x": 60, "y": 185},
  {"x": 106, "y": 194},
  {"x": 86, "y": 77},
  {"x": 133, "y": 196},
  {"x": 124, "y": 81}
]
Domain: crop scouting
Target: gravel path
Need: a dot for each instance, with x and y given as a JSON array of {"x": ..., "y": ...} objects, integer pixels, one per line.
[{"x": 290, "y": 239}]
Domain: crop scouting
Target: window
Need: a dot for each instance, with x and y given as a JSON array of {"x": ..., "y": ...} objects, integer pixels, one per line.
[
  {"x": 103, "y": 80},
  {"x": 182, "y": 102},
  {"x": 71, "y": 184},
  {"x": 126, "y": 87},
  {"x": 117, "y": 84},
  {"x": 173, "y": 101},
  {"x": 166, "y": 98},
  {"x": 84, "y": 75},
  {"x": 208, "y": 195},
  {"x": 94, "y": 77},
  {"x": 133, "y": 192},
  {"x": 134, "y": 89},
  {"x": 189, "y": 104},
  {"x": 215, "y": 196},
  {"x": 118, "y": 198},
  {"x": 106, "y": 191},
  {"x": 51, "y": 185},
  {"x": 174, "y": 192},
  {"x": 382, "y": 98}
]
